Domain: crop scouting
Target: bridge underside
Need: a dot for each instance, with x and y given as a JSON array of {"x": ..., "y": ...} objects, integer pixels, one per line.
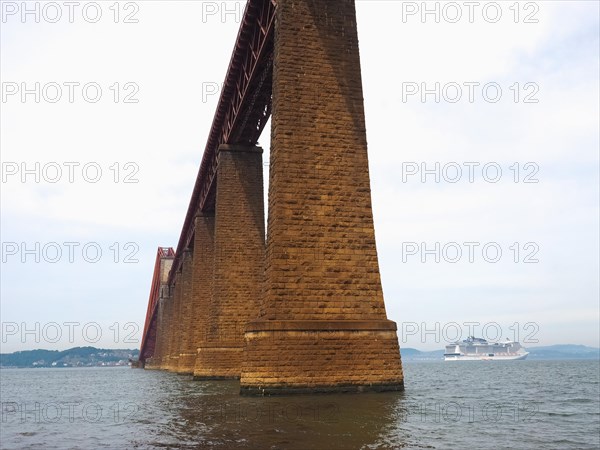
[{"x": 303, "y": 311}]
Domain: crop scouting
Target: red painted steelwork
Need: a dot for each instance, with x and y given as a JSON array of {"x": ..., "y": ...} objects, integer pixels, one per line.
[
  {"x": 149, "y": 334},
  {"x": 242, "y": 113},
  {"x": 243, "y": 110}
]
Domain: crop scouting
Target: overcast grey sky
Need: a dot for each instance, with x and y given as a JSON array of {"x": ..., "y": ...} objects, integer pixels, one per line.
[{"x": 482, "y": 122}]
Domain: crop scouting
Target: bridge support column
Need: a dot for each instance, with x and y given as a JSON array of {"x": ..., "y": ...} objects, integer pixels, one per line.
[
  {"x": 204, "y": 260},
  {"x": 165, "y": 329},
  {"x": 156, "y": 360},
  {"x": 187, "y": 347},
  {"x": 238, "y": 267},
  {"x": 172, "y": 362},
  {"x": 322, "y": 324}
]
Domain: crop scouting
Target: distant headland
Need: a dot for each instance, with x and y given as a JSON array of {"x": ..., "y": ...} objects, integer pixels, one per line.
[{"x": 73, "y": 357}]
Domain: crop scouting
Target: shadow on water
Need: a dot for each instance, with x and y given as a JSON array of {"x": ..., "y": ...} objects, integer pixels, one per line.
[{"x": 212, "y": 414}]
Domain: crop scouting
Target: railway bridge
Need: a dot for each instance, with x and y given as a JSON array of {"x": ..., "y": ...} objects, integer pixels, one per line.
[{"x": 298, "y": 308}]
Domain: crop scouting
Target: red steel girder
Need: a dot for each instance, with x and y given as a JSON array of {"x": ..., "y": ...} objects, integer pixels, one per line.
[{"x": 243, "y": 110}]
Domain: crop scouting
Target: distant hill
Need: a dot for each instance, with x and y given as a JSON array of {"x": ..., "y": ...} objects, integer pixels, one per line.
[
  {"x": 412, "y": 354},
  {"x": 561, "y": 351},
  {"x": 73, "y": 357}
]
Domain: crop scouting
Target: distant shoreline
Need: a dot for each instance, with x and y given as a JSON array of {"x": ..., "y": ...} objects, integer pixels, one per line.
[
  {"x": 70, "y": 358},
  {"x": 89, "y": 357},
  {"x": 64, "y": 368}
]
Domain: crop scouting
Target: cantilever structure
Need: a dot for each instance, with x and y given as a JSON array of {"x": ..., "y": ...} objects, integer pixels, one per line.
[
  {"x": 158, "y": 289},
  {"x": 302, "y": 311}
]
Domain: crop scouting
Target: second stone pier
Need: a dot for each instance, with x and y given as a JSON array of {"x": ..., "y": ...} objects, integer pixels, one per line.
[{"x": 238, "y": 267}]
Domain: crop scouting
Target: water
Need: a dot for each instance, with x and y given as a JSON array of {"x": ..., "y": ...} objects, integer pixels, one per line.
[{"x": 483, "y": 405}]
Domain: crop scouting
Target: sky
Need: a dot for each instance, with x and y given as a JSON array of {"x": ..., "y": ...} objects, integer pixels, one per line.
[{"x": 482, "y": 124}]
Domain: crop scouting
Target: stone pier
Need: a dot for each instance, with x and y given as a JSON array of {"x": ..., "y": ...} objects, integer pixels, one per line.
[
  {"x": 322, "y": 324},
  {"x": 238, "y": 264}
]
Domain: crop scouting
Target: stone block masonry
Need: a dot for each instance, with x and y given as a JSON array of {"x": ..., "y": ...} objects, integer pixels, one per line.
[
  {"x": 187, "y": 347},
  {"x": 238, "y": 262},
  {"x": 163, "y": 332},
  {"x": 305, "y": 312},
  {"x": 204, "y": 259},
  {"x": 322, "y": 324},
  {"x": 155, "y": 361},
  {"x": 174, "y": 332}
]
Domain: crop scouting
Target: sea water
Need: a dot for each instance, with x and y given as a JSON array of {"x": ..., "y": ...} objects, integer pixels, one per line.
[{"x": 445, "y": 405}]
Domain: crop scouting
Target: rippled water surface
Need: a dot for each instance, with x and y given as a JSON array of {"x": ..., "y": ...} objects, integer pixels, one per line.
[{"x": 480, "y": 404}]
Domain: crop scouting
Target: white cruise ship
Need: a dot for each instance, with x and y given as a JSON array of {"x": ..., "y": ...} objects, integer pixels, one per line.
[{"x": 473, "y": 349}]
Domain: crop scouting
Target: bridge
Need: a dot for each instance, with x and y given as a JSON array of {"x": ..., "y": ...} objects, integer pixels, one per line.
[{"x": 302, "y": 309}]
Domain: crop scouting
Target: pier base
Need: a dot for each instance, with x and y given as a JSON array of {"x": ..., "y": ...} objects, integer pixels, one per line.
[{"x": 314, "y": 356}]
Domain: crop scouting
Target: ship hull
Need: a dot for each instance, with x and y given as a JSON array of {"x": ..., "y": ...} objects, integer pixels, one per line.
[{"x": 485, "y": 357}]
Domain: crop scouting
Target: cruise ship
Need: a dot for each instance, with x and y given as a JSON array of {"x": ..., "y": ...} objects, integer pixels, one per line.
[{"x": 474, "y": 349}]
